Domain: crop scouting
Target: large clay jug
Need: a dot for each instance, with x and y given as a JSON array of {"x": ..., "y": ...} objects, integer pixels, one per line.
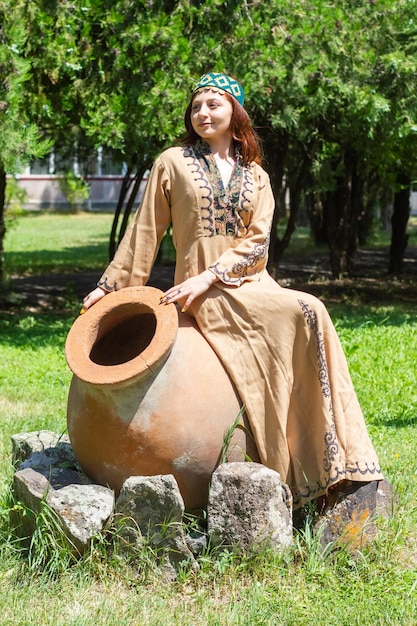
[{"x": 149, "y": 395}]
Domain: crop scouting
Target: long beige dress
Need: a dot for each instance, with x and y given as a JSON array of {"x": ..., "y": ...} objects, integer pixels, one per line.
[{"x": 278, "y": 345}]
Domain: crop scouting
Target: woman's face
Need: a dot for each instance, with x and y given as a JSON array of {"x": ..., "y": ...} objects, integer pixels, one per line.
[{"x": 211, "y": 113}]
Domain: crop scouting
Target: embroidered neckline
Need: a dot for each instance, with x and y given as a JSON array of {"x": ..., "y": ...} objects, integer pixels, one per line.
[
  {"x": 226, "y": 199},
  {"x": 202, "y": 148}
]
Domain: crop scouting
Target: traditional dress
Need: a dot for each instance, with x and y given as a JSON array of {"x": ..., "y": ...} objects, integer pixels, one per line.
[{"x": 278, "y": 345}]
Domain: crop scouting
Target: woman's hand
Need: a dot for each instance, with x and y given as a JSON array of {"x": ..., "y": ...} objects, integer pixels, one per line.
[
  {"x": 190, "y": 289},
  {"x": 93, "y": 297}
]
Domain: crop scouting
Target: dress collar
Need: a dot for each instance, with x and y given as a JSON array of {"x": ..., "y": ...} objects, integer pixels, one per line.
[{"x": 203, "y": 147}]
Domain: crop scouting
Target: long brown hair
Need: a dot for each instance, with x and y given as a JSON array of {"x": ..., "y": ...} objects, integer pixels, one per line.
[{"x": 241, "y": 128}]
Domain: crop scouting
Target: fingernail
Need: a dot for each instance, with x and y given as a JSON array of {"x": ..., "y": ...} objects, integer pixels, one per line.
[
  {"x": 82, "y": 311},
  {"x": 183, "y": 309}
]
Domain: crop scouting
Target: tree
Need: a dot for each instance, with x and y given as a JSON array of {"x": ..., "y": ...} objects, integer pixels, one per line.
[
  {"x": 19, "y": 139},
  {"x": 317, "y": 74},
  {"x": 330, "y": 86},
  {"x": 134, "y": 86}
]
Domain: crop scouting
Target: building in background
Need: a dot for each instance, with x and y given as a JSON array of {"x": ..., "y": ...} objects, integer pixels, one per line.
[{"x": 45, "y": 182}]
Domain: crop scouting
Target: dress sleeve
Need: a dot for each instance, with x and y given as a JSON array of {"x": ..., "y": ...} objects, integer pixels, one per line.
[
  {"x": 249, "y": 257},
  {"x": 135, "y": 256}
]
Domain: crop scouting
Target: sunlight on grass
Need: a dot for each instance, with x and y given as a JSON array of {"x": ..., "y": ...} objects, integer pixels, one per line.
[
  {"x": 50, "y": 242},
  {"x": 379, "y": 359}
]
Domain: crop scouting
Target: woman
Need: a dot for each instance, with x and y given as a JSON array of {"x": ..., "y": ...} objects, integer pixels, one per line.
[{"x": 278, "y": 345}]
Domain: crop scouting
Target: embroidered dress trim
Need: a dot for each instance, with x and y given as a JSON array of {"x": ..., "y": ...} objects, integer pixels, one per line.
[
  {"x": 222, "y": 208},
  {"x": 225, "y": 210},
  {"x": 105, "y": 285},
  {"x": 332, "y": 461},
  {"x": 242, "y": 269}
]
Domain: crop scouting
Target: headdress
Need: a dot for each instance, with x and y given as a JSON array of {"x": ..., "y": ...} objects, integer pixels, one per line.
[{"x": 222, "y": 82}]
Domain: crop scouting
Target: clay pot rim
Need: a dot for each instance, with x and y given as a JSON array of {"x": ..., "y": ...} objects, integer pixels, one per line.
[{"x": 84, "y": 333}]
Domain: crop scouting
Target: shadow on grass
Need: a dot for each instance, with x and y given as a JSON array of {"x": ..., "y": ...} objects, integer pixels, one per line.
[
  {"x": 399, "y": 422},
  {"x": 69, "y": 259},
  {"x": 34, "y": 331}
]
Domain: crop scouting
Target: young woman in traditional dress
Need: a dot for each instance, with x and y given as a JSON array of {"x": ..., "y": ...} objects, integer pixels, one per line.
[{"x": 278, "y": 345}]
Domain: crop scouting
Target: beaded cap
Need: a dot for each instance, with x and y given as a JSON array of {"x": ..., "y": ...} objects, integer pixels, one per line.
[{"x": 222, "y": 82}]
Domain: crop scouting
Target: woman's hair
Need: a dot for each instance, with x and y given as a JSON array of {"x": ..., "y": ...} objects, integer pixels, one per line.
[{"x": 243, "y": 134}]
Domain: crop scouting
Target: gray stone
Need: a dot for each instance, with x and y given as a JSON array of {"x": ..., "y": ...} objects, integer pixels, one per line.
[
  {"x": 249, "y": 507},
  {"x": 351, "y": 514},
  {"x": 83, "y": 511},
  {"x": 25, "y": 444},
  {"x": 197, "y": 543},
  {"x": 60, "y": 456},
  {"x": 30, "y": 488},
  {"x": 56, "y": 463},
  {"x": 152, "y": 507}
]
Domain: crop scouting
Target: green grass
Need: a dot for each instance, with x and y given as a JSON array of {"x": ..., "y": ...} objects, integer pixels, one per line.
[
  {"x": 39, "y": 243},
  {"x": 376, "y": 587},
  {"x": 301, "y": 243}
]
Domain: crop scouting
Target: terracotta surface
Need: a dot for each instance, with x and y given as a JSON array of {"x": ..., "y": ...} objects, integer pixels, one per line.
[{"x": 149, "y": 395}]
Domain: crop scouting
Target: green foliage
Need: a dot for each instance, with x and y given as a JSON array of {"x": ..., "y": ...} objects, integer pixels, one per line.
[
  {"x": 50, "y": 553},
  {"x": 15, "y": 198},
  {"x": 19, "y": 138},
  {"x": 331, "y": 87},
  {"x": 136, "y": 91},
  {"x": 75, "y": 189},
  {"x": 228, "y": 436}
]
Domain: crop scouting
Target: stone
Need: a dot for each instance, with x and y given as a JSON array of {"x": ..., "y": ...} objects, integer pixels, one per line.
[
  {"x": 25, "y": 444},
  {"x": 249, "y": 507},
  {"x": 82, "y": 510},
  {"x": 49, "y": 473},
  {"x": 59, "y": 456},
  {"x": 152, "y": 507},
  {"x": 56, "y": 463},
  {"x": 352, "y": 511},
  {"x": 197, "y": 542},
  {"x": 30, "y": 487}
]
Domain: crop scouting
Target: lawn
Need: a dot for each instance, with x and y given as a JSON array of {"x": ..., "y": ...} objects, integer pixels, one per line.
[
  {"x": 376, "y": 586},
  {"x": 41, "y": 243}
]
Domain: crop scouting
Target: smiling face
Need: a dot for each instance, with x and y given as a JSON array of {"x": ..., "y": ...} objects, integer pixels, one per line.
[{"x": 211, "y": 113}]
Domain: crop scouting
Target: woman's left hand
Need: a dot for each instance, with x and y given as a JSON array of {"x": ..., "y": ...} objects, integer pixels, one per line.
[{"x": 189, "y": 289}]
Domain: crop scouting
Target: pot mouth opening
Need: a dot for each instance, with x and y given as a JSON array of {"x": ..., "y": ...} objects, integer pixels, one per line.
[{"x": 123, "y": 339}]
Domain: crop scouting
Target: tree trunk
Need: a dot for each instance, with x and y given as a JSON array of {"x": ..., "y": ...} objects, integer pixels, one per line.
[
  {"x": 2, "y": 220},
  {"x": 126, "y": 183},
  {"x": 275, "y": 148},
  {"x": 137, "y": 179},
  {"x": 127, "y": 198},
  {"x": 342, "y": 209},
  {"x": 315, "y": 212},
  {"x": 399, "y": 221},
  {"x": 296, "y": 186}
]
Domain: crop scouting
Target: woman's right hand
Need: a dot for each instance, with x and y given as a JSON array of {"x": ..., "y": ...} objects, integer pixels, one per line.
[{"x": 93, "y": 297}]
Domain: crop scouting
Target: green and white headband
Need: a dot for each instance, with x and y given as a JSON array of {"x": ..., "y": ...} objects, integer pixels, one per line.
[{"x": 222, "y": 83}]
